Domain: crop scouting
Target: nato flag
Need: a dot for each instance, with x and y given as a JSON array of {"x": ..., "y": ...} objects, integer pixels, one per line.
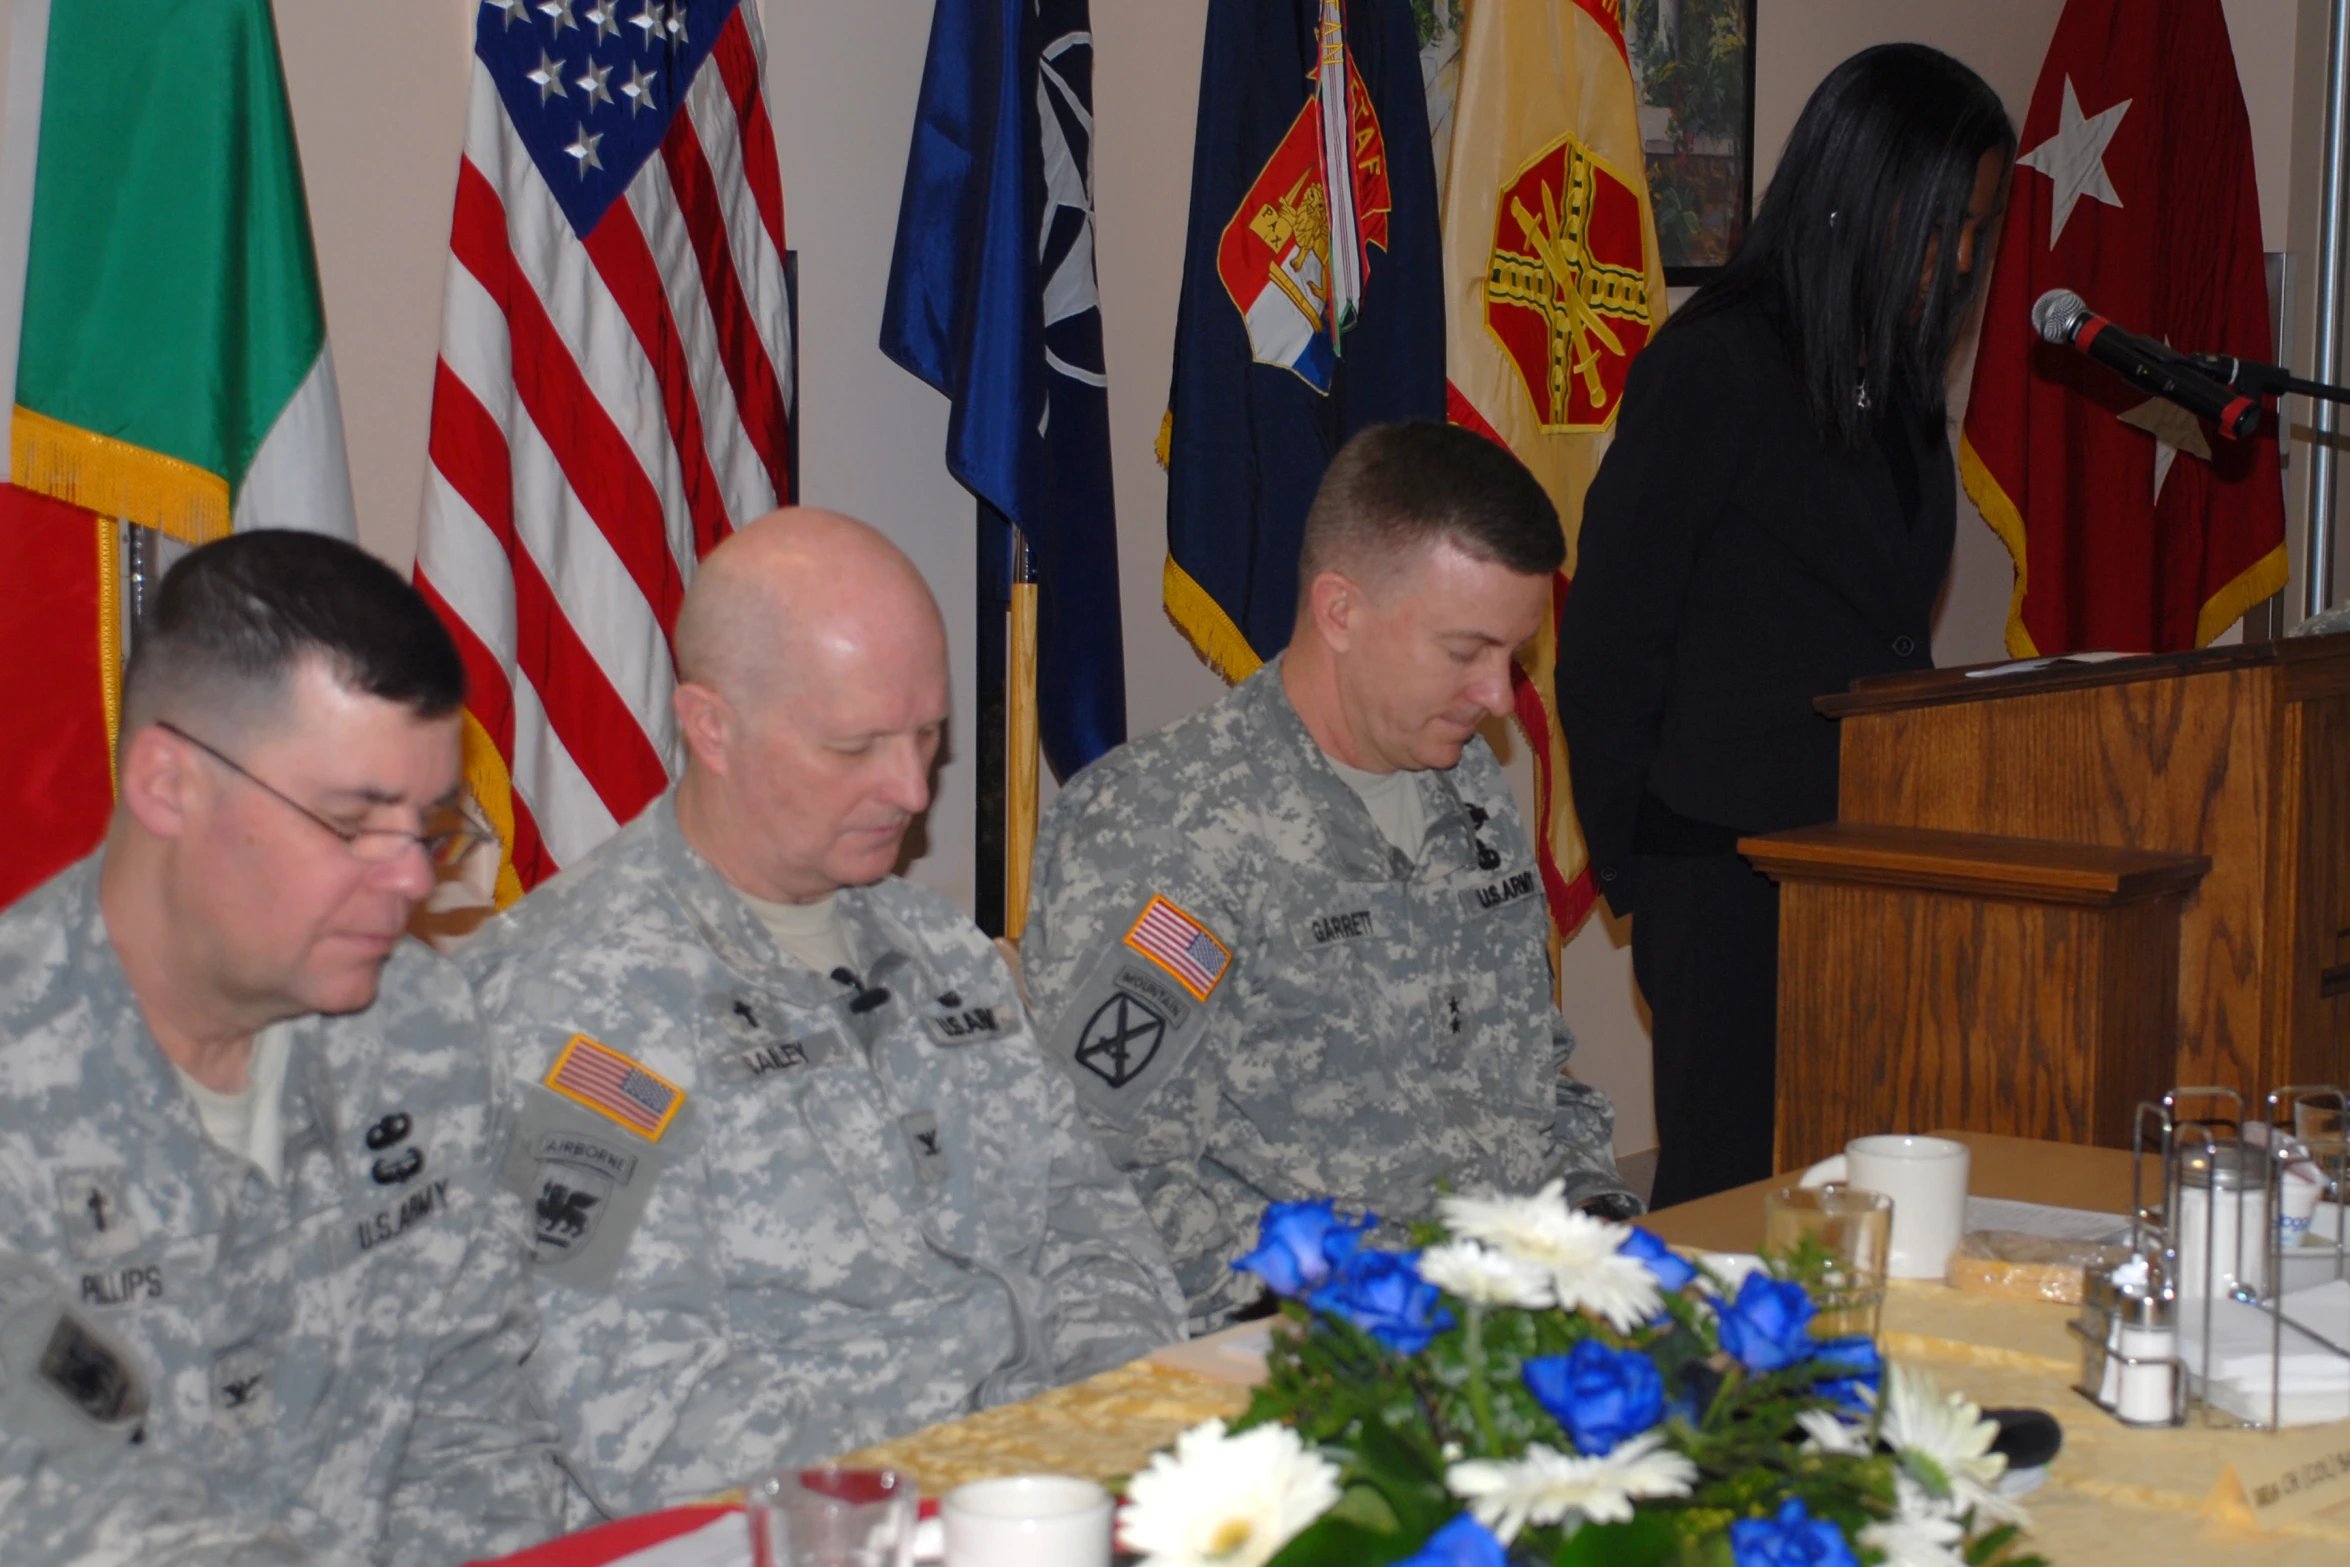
[
  {"x": 1262, "y": 396},
  {"x": 992, "y": 301}
]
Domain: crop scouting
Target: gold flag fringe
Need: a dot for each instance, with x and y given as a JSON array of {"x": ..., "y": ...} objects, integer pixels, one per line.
[
  {"x": 110, "y": 651},
  {"x": 492, "y": 788},
  {"x": 1203, "y": 621},
  {"x": 1983, "y": 489},
  {"x": 2257, "y": 581},
  {"x": 117, "y": 479}
]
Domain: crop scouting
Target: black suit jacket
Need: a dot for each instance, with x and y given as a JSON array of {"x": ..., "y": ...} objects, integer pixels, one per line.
[{"x": 1732, "y": 568}]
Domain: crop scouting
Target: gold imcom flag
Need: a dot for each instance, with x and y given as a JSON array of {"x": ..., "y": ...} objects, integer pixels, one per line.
[{"x": 1553, "y": 283}]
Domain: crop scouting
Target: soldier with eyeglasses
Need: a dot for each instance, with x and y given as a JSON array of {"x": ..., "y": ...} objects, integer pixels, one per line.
[{"x": 262, "y": 1297}]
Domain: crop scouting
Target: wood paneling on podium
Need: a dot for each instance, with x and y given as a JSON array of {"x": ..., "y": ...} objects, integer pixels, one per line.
[
  {"x": 2002, "y": 984},
  {"x": 2231, "y": 755}
]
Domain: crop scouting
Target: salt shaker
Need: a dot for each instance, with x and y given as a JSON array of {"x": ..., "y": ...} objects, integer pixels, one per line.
[{"x": 2141, "y": 1383}]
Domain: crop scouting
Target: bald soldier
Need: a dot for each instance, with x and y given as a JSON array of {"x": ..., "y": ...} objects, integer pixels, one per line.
[
  {"x": 1293, "y": 946},
  {"x": 802, "y": 1178}
]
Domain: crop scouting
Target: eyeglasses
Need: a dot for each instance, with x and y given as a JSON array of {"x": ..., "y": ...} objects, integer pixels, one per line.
[{"x": 449, "y": 837}]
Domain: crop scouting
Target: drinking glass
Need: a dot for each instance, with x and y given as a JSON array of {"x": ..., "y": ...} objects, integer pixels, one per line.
[
  {"x": 2322, "y": 1126},
  {"x": 831, "y": 1518},
  {"x": 1852, "y": 1230}
]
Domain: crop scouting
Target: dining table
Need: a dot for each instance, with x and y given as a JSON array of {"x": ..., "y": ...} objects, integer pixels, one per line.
[{"x": 2115, "y": 1494}]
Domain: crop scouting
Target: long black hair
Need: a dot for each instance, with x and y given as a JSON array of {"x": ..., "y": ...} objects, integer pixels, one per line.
[{"x": 1880, "y": 167}]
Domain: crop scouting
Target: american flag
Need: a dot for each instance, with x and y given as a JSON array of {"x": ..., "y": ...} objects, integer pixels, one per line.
[
  {"x": 614, "y": 393},
  {"x": 603, "y": 1079},
  {"x": 1179, "y": 944}
]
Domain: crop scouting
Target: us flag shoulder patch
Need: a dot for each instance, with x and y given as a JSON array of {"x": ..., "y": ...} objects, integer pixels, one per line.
[
  {"x": 612, "y": 1085},
  {"x": 1181, "y": 945}
]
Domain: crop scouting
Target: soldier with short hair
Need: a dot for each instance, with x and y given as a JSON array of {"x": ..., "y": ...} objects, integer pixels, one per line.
[
  {"x": 803, "y": 1178},
  {"x": 261, "y": 1298},
  {"x": 1294, "y": 946}
]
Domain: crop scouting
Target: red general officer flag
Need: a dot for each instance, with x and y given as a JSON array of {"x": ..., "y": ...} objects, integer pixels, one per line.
[{"x": 2133, "y": 525}]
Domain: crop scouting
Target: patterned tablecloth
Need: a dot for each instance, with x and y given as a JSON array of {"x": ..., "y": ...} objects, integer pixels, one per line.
[
  {"x": 1102, "y": 1427},
  {"x": 2116, "y": 1495}
]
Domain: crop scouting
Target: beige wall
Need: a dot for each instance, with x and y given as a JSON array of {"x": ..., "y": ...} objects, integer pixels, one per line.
[{"x": 379, "y": 94}]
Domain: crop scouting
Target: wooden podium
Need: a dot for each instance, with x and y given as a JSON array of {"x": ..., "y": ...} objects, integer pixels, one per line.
[{"x": 2052, "y": 894}]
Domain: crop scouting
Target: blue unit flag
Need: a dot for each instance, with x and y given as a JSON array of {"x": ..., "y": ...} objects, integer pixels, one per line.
[
  {"x": 1313, "y": 297},
  {"x": 992, "y": 300}
]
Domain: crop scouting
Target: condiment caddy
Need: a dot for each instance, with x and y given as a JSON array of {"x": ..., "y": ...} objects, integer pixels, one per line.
[{"x": 2233, "y": 1307}]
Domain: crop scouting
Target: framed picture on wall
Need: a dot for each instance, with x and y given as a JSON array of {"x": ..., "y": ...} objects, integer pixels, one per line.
[{"x": 1693, "y": 63}]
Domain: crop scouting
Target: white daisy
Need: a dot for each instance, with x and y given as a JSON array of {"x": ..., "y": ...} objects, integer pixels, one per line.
[
  {"x": 1579, "y": 1252},
  {"x": 1924, "y": 1532},
  {"x": 1484, "y": 1277},
  {"x": 1945, "y": 1444},
  {"x": 1545, "y": 1485},
  {"x": 1527, "y": 1227},
  {"x": 1225, "y": 1501},
  {"x": 1827, "y": 1433}
]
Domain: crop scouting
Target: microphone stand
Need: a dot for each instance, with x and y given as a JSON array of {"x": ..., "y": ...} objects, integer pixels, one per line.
[{"x": 2257, "y": 380}]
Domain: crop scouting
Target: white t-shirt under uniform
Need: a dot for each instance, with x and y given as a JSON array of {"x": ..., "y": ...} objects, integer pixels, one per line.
[
  {"x": 246, "y": 1123},
  {"x": 1393, "y": 799},
  {"x": 810, "y": 932}
]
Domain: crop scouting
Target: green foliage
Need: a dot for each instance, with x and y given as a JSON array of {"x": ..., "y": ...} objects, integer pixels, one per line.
[
  {"x": 1698, "y": 73},
  {"x": 1430, "y": 15},
  {"x": 1698, "y": 69},
  {"x": 1649, "y": 1540},
  {"x": 1997, "y": 1549}
]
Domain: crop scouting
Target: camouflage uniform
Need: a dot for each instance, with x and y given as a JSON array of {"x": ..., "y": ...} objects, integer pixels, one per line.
[
  {"x": 1260, "y": 999},
  {"x": 866, "y": 1210},
  {"x": 197, "y": 1366}
]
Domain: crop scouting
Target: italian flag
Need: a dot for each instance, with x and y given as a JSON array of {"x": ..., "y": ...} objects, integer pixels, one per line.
[{"x": 162, "y": 328}]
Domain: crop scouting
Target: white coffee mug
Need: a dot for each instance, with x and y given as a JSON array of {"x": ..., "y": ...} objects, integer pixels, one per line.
[
  {"x": 1028, "y": 1521},
  {"x": 1926, "y": 1177}
]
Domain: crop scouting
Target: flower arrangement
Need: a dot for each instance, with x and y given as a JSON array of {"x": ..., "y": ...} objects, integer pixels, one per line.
[{"x": 1538, "y": 1386}]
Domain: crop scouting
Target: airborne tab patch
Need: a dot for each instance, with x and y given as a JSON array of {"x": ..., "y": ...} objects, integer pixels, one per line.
[
  {"x": 612, "y": 1085},
  {"x": 1181, "y": 945}
]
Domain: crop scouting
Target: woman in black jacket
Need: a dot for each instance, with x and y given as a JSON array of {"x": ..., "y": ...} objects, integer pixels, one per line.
[{"x": 1773, "y": 522}]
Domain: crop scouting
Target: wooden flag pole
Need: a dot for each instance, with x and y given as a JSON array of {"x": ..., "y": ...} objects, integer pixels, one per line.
[{"x": 1020, "y": 743}]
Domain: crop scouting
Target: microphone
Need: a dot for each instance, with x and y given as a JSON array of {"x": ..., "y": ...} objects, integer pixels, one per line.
[{"x": 2062, "y": 318}]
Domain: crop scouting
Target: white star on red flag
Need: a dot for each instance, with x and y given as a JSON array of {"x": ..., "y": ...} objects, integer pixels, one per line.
[{"x": 2074, "y": 158}]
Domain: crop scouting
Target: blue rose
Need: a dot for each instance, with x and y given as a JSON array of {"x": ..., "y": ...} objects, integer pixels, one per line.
[
  {"x": 1793, "y": 1539},
  {"x": 1298, "y": 1243},
  {"x": 1464, "y": 1542},
  {"x": 1768, "y": 1327},
  {"x": 1382, "y": 1293},
  {"x": 1671, "y": 1271},
  {"x": 1846, "y": 1366},
  {"x": 1602, "y": 1396}
]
